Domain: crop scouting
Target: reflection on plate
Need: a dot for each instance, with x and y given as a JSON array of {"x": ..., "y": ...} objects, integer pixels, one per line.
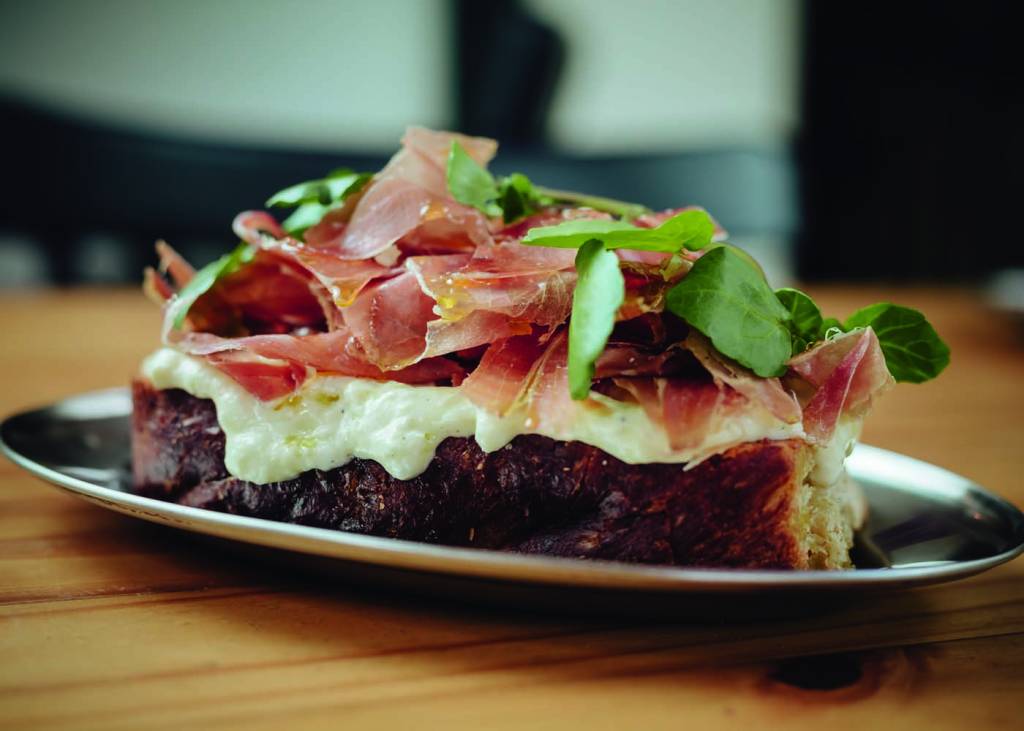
[{"x": 927, "y": 525}]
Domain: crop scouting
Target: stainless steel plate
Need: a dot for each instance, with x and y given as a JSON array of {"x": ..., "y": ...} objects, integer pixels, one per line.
[{"x": 927, "y": 525}]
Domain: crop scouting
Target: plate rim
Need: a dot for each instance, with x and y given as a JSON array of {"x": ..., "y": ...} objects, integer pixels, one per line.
[{"x": 507, "y": 567}]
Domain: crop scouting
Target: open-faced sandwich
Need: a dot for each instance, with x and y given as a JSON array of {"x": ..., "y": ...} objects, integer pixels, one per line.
[{"x": 435, "y": 354}]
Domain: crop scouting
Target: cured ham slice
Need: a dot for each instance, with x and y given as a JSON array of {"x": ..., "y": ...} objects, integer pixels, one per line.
[
  {"x": 446, "y": 227},
  {"x": 848, "y": 372},
  {"x": 265, "y": 379},
  {"x": 544, "y": 299},
  {"x": 503, "y": 375},
  {"x": 155, "y": 287},
  {"x": 174, "y": 264},
  {"x": 267, "y": 295},
  {"x": 768, "y": 392},
  {"x": 525, "y": 371},
  {"x": 393, "y": 209},
  {"x": 473, "y": 331},
  {"x": 269, "y": 366},
  {"x": 271, "y": 295},
  {"x": 632, "y": 360},
  {"x": 423, "y": 158},
  {"x": 252, "y": 226},
  {"x": 689, "y": 409},
  {"x": 548, "y": 403},
  {"x": 343, "y": 278},
  {"x": 389, "y": 321},
  {"x": 532, "y": 286},
  {"x": 409, "y": 198},
  {"x": 449, "y": 303},
  {"x": 686, "y": 408}
]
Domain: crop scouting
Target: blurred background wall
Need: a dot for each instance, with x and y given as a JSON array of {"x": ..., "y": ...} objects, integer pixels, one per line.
[
  {"x": 309, "y": 75},
  {"x": 818, "y": 134}
]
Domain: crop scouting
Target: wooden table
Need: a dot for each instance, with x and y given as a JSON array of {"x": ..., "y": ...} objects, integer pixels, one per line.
[{"x": 106, "y": 622}]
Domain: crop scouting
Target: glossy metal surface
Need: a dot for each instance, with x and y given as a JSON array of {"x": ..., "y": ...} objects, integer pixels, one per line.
[{"x": 927, "y": 525}]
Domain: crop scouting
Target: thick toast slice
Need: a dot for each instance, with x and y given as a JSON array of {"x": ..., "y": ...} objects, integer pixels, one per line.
[{"x": 750, "y": 507}]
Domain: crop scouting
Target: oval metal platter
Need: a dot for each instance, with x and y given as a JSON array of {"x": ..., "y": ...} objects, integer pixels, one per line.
[{"x": 927, "y": 525}]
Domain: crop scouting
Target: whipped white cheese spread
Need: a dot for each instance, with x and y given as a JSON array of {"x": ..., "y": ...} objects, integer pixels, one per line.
[{"x": 332, "y": 419}]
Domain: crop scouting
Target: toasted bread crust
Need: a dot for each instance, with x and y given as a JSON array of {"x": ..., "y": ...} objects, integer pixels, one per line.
[{"x": 536, "y": 495}]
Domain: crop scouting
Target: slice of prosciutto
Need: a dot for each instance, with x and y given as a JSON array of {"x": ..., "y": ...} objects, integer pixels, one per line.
[
  {"x": 686, "y": 408},
  {"x": 502, "y": 377},
  {"x": 389, "y": 322},
  {"x": 769, "y": 392},
  {"x": 269, "y": 294},
  {"x": 453, "y": 302},
  {"x": 409, "y": 198},
  {"x": 847, "y": 372},
  {"x": 395, "y": 325},
  {"x": 548, "y": 403},
  {"x": 513, "y": 280},
  {"x": 253, "y": 226},
  {"x": 271, "y": 366},
  {"x": 343, "y": 278}
]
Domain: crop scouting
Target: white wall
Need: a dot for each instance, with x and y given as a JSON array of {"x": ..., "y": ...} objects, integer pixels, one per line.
[
  {"x": 642, "y": 75},
  {"x": 651, "y": 75},
  {"x": 318, "y": 73}
]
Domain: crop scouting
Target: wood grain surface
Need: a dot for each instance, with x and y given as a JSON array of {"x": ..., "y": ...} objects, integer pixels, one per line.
[{"x": 107, "y": 622}]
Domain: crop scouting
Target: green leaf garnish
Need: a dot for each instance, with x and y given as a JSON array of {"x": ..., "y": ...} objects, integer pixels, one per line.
[
  {"x": 314, "y": 198},
  {"x": 514, "y": 197},
  {"x": 573, "y": 234},
  {"x": 311, "y": 191},
  {"x": 730, "y": 302},
  {"x": 511, "y": 197},
  {"x": 304, "y": 217},
  {"x": 518, "y": 198},
  {"x": 914, "y": 352},
  {"x": 805, "y": 323},
  {"x": 206, "y": 277},
  {"x": 600, "y": 291},
  {"x": 470, "y": 183},
  {"x": 690, "y": 229},
  {"x": 324, "y": 191}
]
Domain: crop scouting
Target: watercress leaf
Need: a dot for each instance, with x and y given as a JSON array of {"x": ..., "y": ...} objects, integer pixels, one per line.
[
  {"x": 343, "y": 183},
  {"x": 310, "y": 191},
  {"x": 913, "y": 351},
  {"x": 206, "y": 277},
  {"x": 338, "y": 185},
  {"x": 517, "y": 197},
  {"x": 689, "y": 229},
  {"x": 730, "y": 302},
  {"x": 573, "y": 234},
  {"x": 740, "y": 253},
  {"x": 804, "y": 317},
  {"x": 470, "y": 183},
  {"x": 600, "y": 290},
  {"x": 303, "y": 217}
]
